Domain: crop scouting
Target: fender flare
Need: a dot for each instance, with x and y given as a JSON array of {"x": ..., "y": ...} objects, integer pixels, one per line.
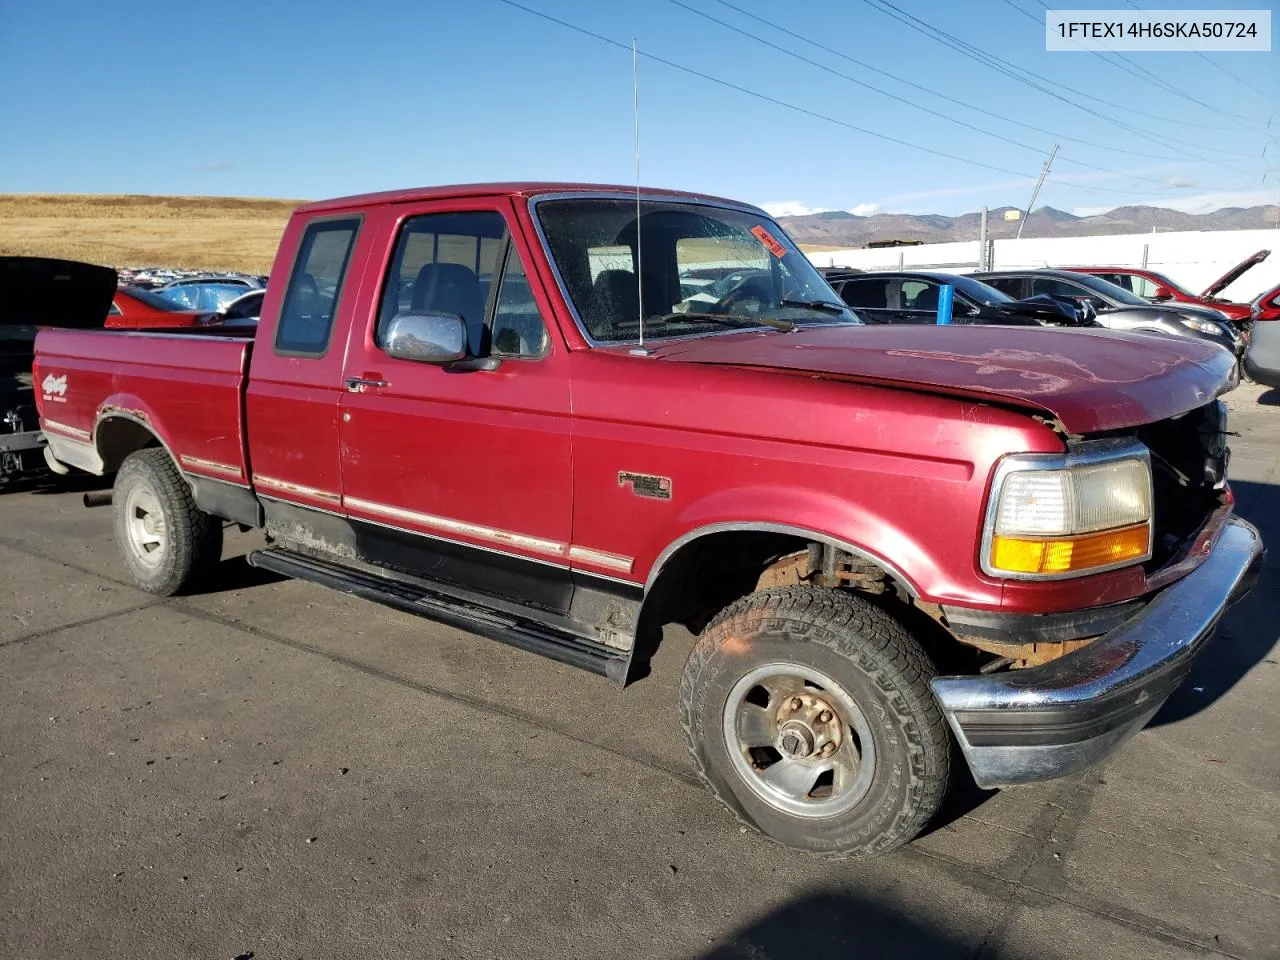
[{"x": 749, "y": 526}]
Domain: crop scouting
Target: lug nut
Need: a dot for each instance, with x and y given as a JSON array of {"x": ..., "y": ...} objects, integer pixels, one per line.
[
  {"x": 829, "y": 747},
  {"x": 824, "y": 716},
  {"x": 796, "y": 703}
]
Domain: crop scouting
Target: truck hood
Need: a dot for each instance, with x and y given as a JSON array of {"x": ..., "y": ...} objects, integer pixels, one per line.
[
  {"x": 40, "y": 292},
  {"x": 1234, "y": 274},
  {"x": 1088, "y": 380}
]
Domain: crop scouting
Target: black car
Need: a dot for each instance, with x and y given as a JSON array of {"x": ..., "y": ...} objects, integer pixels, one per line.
[
  {"x": 912, "y": 297},
  {"x": 1118, "y": 308}
]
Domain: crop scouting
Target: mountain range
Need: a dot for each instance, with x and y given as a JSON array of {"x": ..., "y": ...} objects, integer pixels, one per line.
[{"x": 838, "y": 228}]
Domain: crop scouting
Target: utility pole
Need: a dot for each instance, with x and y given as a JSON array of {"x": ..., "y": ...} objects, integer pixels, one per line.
[
  {"x": 982, "y": 242},
  {"x": 1044, "y": 172}
]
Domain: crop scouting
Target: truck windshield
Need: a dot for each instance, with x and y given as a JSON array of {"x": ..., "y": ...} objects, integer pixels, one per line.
[{"x": 702, "y": 269}]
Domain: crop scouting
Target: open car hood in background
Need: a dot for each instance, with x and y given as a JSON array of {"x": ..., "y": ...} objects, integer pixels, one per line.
[
  {"x": 41, "y": 292},
  {"x": 1234, "y": 274}
]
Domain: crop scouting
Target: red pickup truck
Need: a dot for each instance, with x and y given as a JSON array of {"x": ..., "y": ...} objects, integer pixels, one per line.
[{"x": 513, "y": 408}]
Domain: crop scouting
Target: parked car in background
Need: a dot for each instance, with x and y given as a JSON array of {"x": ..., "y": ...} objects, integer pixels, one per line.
[
  {"x": 243, "y": 310},
  {"x": 135, "y": 308},
  {"x": 1262, "y": 359},
  {"x": 912, "y": 297},
  {"x": 206, "y": 293},
  {"x": 1117, "y": 308},
  {"x": 1157, "y": 288},
  {"x": 1266, "y": 305}
]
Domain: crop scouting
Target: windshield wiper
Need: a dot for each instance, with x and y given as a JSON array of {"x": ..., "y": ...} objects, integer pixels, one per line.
[
  {"x": 829, "y": 306},
  {"x": 729, "y": 318}
]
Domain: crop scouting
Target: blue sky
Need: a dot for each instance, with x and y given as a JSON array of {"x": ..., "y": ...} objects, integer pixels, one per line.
[{"x": 325, "y": 98}]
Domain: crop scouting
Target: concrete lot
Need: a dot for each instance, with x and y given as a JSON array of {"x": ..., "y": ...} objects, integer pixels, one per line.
[{"x": 272, "y": 770}]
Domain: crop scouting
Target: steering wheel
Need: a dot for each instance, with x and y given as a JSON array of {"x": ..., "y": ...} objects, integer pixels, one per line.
[{"x": 752, "y": 294}]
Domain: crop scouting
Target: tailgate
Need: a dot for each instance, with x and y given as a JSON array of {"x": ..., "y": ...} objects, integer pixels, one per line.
[{"x": 186, "y": 389}]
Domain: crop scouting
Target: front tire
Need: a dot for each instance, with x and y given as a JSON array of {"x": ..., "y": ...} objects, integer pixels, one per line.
[
  {"x": 167, "y": 542},
  {"x": 808, "y": 713}
]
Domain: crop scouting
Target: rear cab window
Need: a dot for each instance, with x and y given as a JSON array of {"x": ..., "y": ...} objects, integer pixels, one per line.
[{"x": 315, "y": 287}]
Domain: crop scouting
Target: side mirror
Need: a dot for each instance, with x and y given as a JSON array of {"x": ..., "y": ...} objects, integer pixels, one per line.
[
  {"x": 426, "y": 337},
  {"x": 1161, "y": 297}
]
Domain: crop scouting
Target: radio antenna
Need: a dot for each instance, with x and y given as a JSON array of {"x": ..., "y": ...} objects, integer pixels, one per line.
[{"x": 635, "y": 109}]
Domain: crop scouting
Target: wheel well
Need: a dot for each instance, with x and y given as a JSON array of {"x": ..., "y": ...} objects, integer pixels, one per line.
[
  {"x": 707, "y": 574},
  {"x": 117, "y": 437}
]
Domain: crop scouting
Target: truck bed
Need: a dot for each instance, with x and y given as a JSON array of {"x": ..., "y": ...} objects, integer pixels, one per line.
[{"x": 186, "y": 388}]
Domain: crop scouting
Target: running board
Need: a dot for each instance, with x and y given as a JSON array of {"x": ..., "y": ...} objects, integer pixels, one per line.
[{"x": 420, "y": 599}]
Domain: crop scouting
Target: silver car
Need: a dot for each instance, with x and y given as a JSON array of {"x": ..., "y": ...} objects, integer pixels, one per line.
[{"x": 1262, "y": 359}]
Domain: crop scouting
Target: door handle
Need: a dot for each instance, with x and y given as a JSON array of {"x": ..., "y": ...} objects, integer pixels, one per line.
[{"x": 359, "y": 384}]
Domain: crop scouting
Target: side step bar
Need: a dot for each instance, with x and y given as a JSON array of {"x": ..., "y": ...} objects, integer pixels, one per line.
[{"x": 420, "y": 599}]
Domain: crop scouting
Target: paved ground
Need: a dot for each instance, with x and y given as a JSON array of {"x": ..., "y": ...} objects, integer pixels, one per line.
[{"x": 273, "y": 770}]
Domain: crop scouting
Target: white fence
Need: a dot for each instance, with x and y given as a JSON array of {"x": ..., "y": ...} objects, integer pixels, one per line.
[{"x": 1192, "y": 259}]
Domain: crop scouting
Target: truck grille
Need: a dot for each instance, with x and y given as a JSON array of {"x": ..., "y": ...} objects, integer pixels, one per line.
[{"x": 1189, "y": 457}]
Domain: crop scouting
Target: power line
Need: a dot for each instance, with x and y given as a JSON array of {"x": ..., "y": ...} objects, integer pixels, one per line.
[
  {"x": 798, "y": 109},
  {"x": 1017, "y": 73},
  {"x": 905, "y": 100},
  {"x": 1218, "y": 66},
  {"x": 942, "y": 96},
  {"x": 756, "y": 94},
  {"x": 1142, "y": 73}
]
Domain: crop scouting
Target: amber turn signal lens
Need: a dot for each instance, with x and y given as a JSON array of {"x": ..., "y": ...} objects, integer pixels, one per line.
[{"x": 1070, "y": 554}]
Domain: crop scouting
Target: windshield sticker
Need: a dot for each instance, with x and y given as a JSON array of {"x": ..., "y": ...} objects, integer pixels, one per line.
[{"x": 767, "y": 238}]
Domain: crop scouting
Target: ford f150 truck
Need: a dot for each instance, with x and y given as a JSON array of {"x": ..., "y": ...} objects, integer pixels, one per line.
[{"x": 499, "y": 407}]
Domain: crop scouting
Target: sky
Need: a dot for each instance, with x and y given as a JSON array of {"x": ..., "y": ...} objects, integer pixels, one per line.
[{"x": 760, "y": 100}]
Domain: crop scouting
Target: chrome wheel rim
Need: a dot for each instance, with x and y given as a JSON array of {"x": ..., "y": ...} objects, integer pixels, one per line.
[
  {"x": 798, "y": 740},
  {"x": 145, "y": 527}
]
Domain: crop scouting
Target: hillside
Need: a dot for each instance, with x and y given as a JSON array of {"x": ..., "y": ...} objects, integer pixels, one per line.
[
  {"x": 235, "y": 233},
  {"x": 840, "y": 229},
  {"x": 214, "y": 233}
]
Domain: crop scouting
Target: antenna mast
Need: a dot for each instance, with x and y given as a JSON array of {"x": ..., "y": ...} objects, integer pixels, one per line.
[{"x": 635, "y": 108}]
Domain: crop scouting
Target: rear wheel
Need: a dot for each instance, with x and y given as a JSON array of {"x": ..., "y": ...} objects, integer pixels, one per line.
[
  {"x": 166, "y": 541},
  {"x": 809, "y": 714}
]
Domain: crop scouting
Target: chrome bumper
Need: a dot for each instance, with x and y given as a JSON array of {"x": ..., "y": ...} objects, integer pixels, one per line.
[{"x": 1044, "y": 722}]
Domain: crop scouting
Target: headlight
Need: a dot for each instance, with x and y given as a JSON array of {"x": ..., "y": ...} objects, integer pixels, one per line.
[
  {"x": 1204, "y": 325},
  {"x": 1056, "y": 516}
]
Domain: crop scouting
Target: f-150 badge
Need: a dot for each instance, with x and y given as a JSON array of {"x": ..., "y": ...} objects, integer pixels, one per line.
[{"x": 646, "y": 485}]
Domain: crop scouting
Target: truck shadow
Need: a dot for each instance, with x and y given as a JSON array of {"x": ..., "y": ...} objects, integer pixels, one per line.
[
  {"x": 1271, "y": 398},
  {"x": 838, "y": 924},
  {"x": 1249, "y": 632}
]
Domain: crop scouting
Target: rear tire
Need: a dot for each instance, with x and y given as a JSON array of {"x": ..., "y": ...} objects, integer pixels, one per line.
[
  {"x": 167, "y": 542},
  {"x": 832, "y": 695}
]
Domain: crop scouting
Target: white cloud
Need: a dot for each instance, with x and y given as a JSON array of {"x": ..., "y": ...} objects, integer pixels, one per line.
[
  {"x": 1182, "y": 183},
  {"x": 791, "y": 208},
  {"x": 1197, "y": 203},
  {"x": 865, "y": 209}
]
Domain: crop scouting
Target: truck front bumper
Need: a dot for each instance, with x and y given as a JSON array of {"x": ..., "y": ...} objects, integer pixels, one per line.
[{"x": 1044, "y": 722}]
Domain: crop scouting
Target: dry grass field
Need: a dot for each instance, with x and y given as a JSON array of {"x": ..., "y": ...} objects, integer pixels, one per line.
[
  {"x": 208, "y": 233},
  {"x": 213, "y": 233}
]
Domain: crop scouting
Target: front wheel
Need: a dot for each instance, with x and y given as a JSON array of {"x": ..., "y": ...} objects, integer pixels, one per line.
[{"x": 809, "y": 714}]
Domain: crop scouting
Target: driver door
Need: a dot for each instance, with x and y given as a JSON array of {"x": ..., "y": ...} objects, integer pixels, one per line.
[{"x": 454, "y": 472}]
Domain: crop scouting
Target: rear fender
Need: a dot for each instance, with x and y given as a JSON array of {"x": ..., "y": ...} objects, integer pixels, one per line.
[{"x": 124, "y": 425}]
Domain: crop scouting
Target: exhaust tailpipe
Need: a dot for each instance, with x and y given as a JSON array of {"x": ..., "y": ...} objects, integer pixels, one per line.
[{"x": 98, "y": 498}]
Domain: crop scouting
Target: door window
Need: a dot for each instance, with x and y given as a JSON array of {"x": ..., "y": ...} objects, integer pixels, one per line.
[
  {"x": 1057, "y": 288},
  {"x": 1145, "y": 288},
  {"x": 446, "y": 263},
  {"x": 1012, "y": 286},
  {"x": 306, "y": 317},
  {"x": 517, "y": 329}
]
